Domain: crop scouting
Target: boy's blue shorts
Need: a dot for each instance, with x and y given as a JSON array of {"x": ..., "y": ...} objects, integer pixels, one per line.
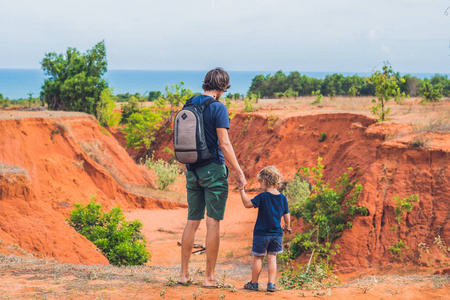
[{"x": 273, "y": 244}]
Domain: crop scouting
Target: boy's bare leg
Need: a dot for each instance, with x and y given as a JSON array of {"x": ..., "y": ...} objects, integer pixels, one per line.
[
  {"x": 187, "y": 242},
  {"x": 272, "y": 267},
  {"x": 212, "y": 249},
  {"x": 256, "y": 269}
]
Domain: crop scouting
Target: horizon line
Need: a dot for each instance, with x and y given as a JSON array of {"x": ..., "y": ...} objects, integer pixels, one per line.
[{"x": 265, "y": 71}]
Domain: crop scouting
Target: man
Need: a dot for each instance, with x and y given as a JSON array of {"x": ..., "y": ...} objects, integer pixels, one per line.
[{"x": 207, "y": 185}]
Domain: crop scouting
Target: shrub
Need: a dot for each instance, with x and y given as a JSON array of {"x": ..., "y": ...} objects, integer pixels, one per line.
[
  {"x": 327, "y": 211},
  {"x": 130, "y": 108},
  {"x": 120, "y": 241},
  {"x": 296, "y": 192},
  {"x": 302, "y": 277},
  {"x": 166, "y": 172},
  {"x": 248, "y": 105},
  {"x": 397, "y": 249},
  {"x": 228, "y": 102},
  {"x": 431, "y": 93},
  {"x": 404, "y": 205},
  {"x": 323, "y": 137},
  {"x": 319, "y": 97},
  {"x": 106, "y": 115},
  {"x": 142, "y": 127}
]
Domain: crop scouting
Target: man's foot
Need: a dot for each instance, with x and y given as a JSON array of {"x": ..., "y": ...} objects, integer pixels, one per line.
[
  {"x": 253, "y": 286},
  {"x": 209, "y": 283},
  {"x": 186, "y": 283},
  {"x": 184, "y": 280},
  {"x": 271, "y": 287}
]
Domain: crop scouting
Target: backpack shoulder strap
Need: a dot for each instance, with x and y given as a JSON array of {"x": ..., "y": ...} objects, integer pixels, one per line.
[
  {"x": 207, "y": 102},
  {"x": 188, "y": 102}
]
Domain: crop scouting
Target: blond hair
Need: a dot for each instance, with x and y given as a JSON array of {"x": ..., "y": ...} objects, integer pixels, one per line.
[{"x": 270, "y": 176}]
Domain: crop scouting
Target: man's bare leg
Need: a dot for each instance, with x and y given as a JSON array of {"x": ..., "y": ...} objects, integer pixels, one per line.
[
  {"x": 187, "y": 242},
  {"x": 212, "y": 249}
]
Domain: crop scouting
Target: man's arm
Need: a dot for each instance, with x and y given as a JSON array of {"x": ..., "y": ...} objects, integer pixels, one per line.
[
  {"x": 245, "y": 200},
  {"x": 230, "y": 156}
]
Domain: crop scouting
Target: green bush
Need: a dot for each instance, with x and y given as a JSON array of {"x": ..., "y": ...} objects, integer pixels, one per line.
[
  {"x": 166, "y": 172},
  {"x": 120, "y": 241},
  {"x": 319, "y": 97},
  {"x": 397, "y": 249},
  {"x": 296, "y": 192},
  {"x": 248, "y": 105},
  {"x": 130, "y": 108},
  {"x": 142, "y": 127},
  {"x": 302, "y": 277},
  {"x": 327, "y": 211},
  {"x": 106, "y": 115},
  {"x": 323, "y": 137},
  {"x": 430, "y": 92},
  {"x": 404, "y": 205}
]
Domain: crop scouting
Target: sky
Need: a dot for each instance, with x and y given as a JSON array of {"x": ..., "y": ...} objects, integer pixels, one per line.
[{"x": 238, "y": 35}]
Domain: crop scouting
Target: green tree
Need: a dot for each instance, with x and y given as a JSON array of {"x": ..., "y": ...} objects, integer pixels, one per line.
[
  {"x": 386, "y": 88},
  {"x": 154, "y": 95},
  {"x": 130, "y": 108},
  {"x": 106, "y": 115},
  {"x": 75, "y": 80},
  {"x": 430, "y": 92},
  {"x": 142, "y": 127},
  {"x": 352, "y": 91},
  {"x": 176, "y": 94}
]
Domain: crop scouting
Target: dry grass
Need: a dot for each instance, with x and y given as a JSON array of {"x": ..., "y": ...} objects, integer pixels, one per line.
[
  {"x": 159, "y": 194},
  {"x": 421, "y": 141},
  {"x": 10, "y": 173},
  {"x": 94, "y": 150},
  {"x": 397, "y": 282},
  {"x": 46, "y": 278},
  {"x": 4, "y": 168},
  {"x": 437, "y": 122}
]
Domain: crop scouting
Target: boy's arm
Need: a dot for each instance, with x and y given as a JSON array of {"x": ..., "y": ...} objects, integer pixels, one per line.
[
  {"x": 245, "y": 200},
  {"x": 287, "y": 222}
]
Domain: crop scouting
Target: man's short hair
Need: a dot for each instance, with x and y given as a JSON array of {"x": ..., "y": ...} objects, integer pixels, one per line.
[{"x": 216, "y": 79}]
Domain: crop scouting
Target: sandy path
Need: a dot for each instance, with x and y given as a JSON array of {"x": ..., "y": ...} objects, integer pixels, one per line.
[{"x": 163, "y": 229}]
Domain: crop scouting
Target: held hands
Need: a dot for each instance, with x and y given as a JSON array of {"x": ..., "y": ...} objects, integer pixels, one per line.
[{"x": 242, "y": 181}]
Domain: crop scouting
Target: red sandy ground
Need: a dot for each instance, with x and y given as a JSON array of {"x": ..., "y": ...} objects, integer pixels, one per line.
[{"x": 66, "y": 158}]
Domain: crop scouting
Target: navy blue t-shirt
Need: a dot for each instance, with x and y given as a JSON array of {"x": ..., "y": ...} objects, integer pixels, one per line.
[
  {"x": 271, "y": 209},
  {"x": 215, "y": 116}
]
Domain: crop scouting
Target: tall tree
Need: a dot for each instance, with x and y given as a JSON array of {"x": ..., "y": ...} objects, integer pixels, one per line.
[
  {"x": 386, "y": 88},
  {"x": 75, "y": 80}
]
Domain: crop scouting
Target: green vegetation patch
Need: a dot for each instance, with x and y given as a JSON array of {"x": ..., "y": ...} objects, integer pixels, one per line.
[{"x": 120, "y": 241}]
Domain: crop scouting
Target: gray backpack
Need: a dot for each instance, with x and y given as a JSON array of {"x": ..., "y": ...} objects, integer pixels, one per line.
[{"x": 189, "y": 140}]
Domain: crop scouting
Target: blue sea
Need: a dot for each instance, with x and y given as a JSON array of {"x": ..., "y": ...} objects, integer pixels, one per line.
[{"x": 18, "y": 83}]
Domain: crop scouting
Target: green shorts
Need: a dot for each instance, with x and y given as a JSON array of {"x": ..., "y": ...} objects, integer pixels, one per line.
[{"x": 207, "y": 187}]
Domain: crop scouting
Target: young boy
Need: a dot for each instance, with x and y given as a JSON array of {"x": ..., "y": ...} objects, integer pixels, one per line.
[{"x": 267, "y": 234}]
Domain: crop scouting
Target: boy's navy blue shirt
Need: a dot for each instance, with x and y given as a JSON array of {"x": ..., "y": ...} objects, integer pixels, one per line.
[
  {"x": 270, "y": 210},
  {"x": 215, "y": 116}
]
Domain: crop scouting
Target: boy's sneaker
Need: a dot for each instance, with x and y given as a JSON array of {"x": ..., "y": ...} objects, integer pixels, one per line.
[
  {"x": 271, "y": 287},
  {"x": 253, "y": 286}
]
